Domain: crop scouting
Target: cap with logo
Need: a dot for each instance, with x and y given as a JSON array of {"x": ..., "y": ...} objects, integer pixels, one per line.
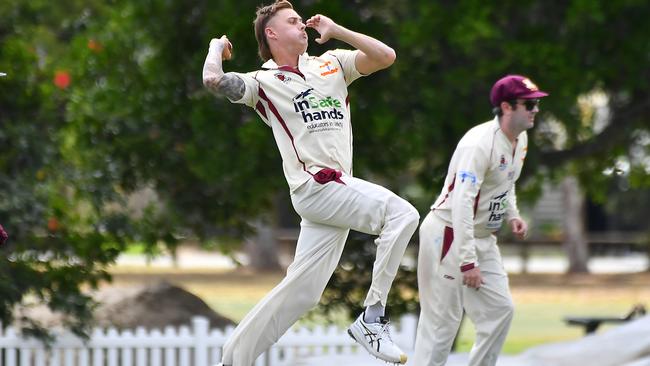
[{"x": 513, "y": 87}]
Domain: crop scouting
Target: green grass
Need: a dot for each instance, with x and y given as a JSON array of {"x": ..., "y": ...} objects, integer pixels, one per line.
[
  {"x": 539, "y": 308},
  {"x": 539, "y": 314}
]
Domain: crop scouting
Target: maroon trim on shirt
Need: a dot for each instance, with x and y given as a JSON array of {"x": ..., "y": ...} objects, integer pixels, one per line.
[
  {"x": 446, "y": 242},
  {"x": 467, "y": 267},
  {"x": 347, "y": 100},
  {"x": 478, "y": 195},
  {"x": 326, "y": 175},
  {"x": 449, "y": 189},
  {"x": 292, "y": 69},
  {"x": 340, "y": 64},
  {"x": 260, "y": 108},
  {"x": 277, "y": 115}
]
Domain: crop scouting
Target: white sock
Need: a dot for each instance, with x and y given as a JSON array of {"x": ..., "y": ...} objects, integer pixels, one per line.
[{"x": 373, "y": 312}]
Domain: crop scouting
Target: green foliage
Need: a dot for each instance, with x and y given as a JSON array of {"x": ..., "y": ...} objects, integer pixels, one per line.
[
  {"x": 141, "y": 104},
  {"x": 59, "y": 242},
  {"x": 103, "y": 100},
  {"x": 347, "y": 289}
]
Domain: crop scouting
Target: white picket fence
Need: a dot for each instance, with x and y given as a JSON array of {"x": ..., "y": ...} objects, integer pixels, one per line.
[{"x": 196, "y": 346}]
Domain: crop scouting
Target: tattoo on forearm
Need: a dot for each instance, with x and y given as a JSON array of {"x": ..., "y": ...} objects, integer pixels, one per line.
[{"x": 232, "y": 86}]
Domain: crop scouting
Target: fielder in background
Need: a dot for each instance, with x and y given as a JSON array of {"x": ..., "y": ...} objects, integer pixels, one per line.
[
  {"x": 304, "y": 99},
  {"x": 459, "y": 264}
]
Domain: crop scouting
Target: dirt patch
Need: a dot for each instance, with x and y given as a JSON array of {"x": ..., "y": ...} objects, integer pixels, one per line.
[{"x": 153, "y": 306}]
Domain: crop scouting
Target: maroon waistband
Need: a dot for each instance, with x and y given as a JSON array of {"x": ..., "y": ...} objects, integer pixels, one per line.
[{"x": 326, "y": 175}]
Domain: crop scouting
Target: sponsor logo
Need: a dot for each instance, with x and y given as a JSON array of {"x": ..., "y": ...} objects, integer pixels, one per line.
[
  {"x": 302, "y": 95},
  {"x": 448, "y": 277},
  {"x": 371, "y": 337},
  {"x": 525, "y": 151},
  {"x": 327, "y": 69},
  {"x": 319, "y": 113},
  {"x": 471, "y": 177},
  {"x": 503, "y": 164},
  {"x": 497, "y": 209}
]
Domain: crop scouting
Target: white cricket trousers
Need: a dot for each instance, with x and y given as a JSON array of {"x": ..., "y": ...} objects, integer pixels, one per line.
[
  {"x": 443, "y": 297},
  {"x": 328, "y": 213}
]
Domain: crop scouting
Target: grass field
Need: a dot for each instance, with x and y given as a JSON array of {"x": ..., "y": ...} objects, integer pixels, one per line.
[
  {"x": 539, "y": 313},
  {"x": 542, "y": 301}
]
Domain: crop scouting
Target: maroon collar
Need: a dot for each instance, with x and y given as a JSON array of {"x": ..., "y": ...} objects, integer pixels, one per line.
[{"x": 291, "y": 69}]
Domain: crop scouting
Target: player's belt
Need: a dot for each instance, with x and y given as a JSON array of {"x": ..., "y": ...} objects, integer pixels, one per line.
[{"x": 326, "y": 175}]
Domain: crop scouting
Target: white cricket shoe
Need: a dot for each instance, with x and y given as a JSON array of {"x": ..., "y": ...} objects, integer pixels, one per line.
[{"x": 375, "y": 338}]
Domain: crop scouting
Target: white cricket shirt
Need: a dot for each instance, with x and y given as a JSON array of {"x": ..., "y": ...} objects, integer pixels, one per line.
[
  {"x": 479, "y": 190},
  {"x": 308, "y": 110}
]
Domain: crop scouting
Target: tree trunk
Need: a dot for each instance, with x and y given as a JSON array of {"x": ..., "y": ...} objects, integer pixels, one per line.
[
  {"x": 262, "y": 247},
  {"x": 575, "y": 239}
]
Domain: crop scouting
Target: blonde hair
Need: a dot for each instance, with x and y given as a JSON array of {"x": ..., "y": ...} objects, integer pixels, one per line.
[{"x": 263, "y": 15}]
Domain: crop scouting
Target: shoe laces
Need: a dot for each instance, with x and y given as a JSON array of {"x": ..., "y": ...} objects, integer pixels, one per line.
[{"x": 384, "y": 330}]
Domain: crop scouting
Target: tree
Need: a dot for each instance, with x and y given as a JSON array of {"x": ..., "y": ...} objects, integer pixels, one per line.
[
  {"x": 61, "y": 238},
  {"x": 103, "y": 100},
  {"x": 574, "y": 226}
]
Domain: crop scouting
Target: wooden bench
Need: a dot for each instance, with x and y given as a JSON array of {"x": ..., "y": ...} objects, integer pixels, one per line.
[{"x": 591, "y": 324}]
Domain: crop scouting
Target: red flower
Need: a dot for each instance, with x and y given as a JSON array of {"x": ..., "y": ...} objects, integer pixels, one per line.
[
  {"x": 94, "y": 45},
  {"x": 3, "y": 235},
  {"x": 52, "y": 224},
  {"x": 62, "y": 79}
]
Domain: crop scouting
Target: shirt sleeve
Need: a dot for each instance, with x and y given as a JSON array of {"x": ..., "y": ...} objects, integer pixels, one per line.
[
  {"x": 251, "y": 95},
  {"x": 470, "y": 172},
  {"x": 347, "y": 62},
  {"x": 512, "y": 211}
]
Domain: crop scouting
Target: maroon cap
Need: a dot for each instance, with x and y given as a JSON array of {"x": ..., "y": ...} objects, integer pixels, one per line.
[{"x": 513, "y": 87}]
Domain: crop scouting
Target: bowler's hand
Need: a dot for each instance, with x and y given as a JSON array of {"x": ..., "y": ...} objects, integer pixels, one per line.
[
  {"x": 223, "y": 45},
  {"x": 519, "y": 228},
  {"x": 472, "y": 278},
  {"x": 324, "y": 26}
]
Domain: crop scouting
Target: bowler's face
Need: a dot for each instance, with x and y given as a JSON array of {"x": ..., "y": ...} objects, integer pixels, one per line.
[{"x": 288, "y": 28}]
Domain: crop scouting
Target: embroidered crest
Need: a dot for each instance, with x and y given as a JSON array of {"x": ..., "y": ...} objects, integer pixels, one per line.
[
  {"x": 282, "y": 77},
  {"x": 503, "y": 164},
  {"x": 530, "y": 85}
]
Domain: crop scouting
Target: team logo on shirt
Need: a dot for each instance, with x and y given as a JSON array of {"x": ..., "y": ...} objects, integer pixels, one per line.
[
  {"x": 503, "y": 164},
  {"x": 319, "y": 114},
  {"x": 282, "y": 77},
  {"x": 328, "y": 69}
]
